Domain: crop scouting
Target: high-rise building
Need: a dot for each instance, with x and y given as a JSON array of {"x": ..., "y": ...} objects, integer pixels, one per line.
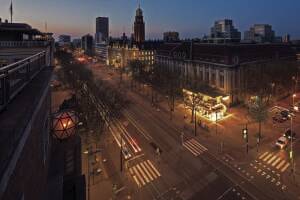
[
  {"x": 286, "y": 38},
  {"x": 64, "y": 39},
  {"x": 139, "y": 26},
  {"x": 260, "y": 33},
  {"x": 171, "y": 36},
  {"x": 224, "y": 31},
  {"x": 102, "y": 29},
  {"x": 87, "y": 44}
]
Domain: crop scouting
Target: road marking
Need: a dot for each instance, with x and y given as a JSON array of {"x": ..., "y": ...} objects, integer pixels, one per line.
[
  {"x": 150, "y": 170},
  {"x": 136, "y": 181},
  {"x": 145, "y": 170},
  {"x": 191, "y": 150},
  {"x": 271, "y": 160},
  {"x": 152, "y": 166},
  {"x": 199, "y": 145},
  {"x": 285, "y": 167},
  {"x": 139, "y": 176},
  {"x": 276, "y": 161},
  {"x": 143, "y": 173},
  {"x": 263, "y": 155},
  {"x": 194, "y": 147},
  {"x": 267, "y": 157},
  {"x": 280, "y": 164}
]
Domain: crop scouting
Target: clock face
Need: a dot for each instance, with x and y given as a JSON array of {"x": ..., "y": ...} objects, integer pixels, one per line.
[{"x": 235, "y": 59}]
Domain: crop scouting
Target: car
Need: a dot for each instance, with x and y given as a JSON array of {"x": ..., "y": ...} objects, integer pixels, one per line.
[
  {"x": 282, "y": 142},
  {"x": 278, "y": 118},
  {"x": 285, "y": 114},
  {"x": 289, "y": 134},
  {"x": 156, "y": 147}
]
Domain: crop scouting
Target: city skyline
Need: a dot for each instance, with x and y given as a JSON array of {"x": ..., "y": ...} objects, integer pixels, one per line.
[{"x": 160, "y": 16}]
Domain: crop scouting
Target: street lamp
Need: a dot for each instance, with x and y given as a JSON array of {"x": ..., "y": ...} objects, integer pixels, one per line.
[
  {"x": 64, "y": 124},
  {"x": 294, "y": 96}
]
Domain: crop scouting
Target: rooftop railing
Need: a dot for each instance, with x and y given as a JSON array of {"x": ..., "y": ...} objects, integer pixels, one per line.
[
  {"x": 29, "y": 44},
  {"x": 14, "y": 77}
]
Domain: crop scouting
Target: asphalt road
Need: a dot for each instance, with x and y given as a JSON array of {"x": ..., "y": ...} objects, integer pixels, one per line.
[{"x": 189, "y": 170}]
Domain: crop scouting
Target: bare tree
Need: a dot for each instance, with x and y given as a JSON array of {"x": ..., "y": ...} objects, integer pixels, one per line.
[{"x": 258, "y": 110}]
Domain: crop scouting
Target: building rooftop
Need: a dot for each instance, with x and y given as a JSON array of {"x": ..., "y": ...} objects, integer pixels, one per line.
[{"x": 226, "y": 53}]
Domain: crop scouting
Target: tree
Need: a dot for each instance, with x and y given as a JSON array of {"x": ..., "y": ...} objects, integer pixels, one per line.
[
  {"x": 258, "y": 110},
  {"x": 191, "y": 100},
  {"x": 137, "y": 69}
]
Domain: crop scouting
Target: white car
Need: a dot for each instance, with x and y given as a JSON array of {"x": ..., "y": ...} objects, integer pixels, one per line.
[{"x": 282, "y": 142}]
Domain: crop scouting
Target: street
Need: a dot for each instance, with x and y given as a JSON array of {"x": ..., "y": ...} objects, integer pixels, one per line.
[{"x": 188, "y": 167}]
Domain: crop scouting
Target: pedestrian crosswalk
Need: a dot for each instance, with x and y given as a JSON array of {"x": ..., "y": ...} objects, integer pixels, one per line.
[
  {"x": 144, "y": 173},
  {"x": 194, "y": 147},
  {"x": 275, "y": 161}
]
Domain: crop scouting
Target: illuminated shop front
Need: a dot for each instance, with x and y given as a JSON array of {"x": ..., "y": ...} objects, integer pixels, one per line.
[{"x": 211, "y": 107}]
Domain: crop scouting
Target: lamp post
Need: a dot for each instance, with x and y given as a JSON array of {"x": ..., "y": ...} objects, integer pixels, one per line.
[
  {"x": 294, "y": 96},
  {"x": 292, "y": 152}
]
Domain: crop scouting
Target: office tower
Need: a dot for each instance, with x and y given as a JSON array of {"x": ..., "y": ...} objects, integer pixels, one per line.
[
  {"x": 102, "y": 29},
  {"x": 260, "y": 33},
  {"x": 224, "y": 30}
]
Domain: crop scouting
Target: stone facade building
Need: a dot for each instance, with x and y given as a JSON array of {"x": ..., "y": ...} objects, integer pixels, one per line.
[{"x": 236, "y": 71}]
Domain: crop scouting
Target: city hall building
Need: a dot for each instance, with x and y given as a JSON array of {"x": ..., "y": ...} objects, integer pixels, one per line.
[{"x": 228, "y": 73}]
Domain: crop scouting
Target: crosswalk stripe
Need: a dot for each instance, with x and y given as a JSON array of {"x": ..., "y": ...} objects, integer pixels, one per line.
[
  {"x": 271, "y": 160},
  {"x": 131, "y": 171},
  {"x": 150, "y": 170},
  {"x": 263, "y": 155},
  {"x": 190, "y": 149},
  {"x": 199, "y": 145},
  {"x": 145, "y": 170},
  {"x": 267, "y": 157},
  {"x": 143, "y": 173},
  {"x": 154, "y": 169},
  {"x": 280, "y": 164},
  {"x": 139, "y": 176},
  {"x": 136, "y": 181},
  {"x": 276, "y": 161},
  {"x": 196, "y": 149},
  {"x": 285, "y": 167}
]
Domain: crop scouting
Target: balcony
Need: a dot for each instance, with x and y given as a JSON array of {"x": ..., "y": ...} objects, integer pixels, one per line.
[{"x": 23, "y": 85}]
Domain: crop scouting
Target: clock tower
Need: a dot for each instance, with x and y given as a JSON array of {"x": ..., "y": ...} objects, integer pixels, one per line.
[{"x": 139, "y": 26}]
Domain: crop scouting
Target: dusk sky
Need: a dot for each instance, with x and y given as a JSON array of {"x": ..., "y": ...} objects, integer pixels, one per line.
[{"x": 191, "y": 18}]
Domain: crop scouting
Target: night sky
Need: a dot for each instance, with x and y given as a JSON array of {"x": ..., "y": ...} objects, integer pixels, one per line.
[{"x": 191, "y": 18}]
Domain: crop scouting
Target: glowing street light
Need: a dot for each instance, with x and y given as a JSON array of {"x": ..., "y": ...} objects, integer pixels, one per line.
[{"x": 64, "y": 124}]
